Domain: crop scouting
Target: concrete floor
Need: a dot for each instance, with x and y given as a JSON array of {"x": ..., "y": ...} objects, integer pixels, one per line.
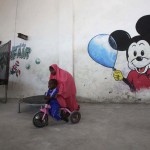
[{"x": 102, "y": 127}]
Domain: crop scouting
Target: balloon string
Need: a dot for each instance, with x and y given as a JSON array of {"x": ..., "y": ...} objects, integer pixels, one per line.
[
  {"x": 115, "y": 63},
  {"x": 114, "y": 69}
]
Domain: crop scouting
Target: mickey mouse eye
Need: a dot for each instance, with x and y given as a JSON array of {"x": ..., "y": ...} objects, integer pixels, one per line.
[
  {"x": 142, "y": 52},
  {"x": 135, "y": 53}
]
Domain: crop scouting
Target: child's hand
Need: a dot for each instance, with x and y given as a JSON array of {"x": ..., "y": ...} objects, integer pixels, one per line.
[{"x": 56, "y": 95}]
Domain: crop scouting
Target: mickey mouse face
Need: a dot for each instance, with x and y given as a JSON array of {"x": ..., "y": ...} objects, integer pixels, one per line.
[
  {"x": 137, "y": 48},
  {"x": 139, "y": 56}
]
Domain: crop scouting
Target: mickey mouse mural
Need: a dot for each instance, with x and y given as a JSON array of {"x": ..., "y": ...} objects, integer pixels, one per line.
[{"x": 137, "y": 53}]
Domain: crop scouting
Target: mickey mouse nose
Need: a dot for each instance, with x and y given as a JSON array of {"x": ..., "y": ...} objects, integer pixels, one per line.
[{"x": 139, "y": 58}]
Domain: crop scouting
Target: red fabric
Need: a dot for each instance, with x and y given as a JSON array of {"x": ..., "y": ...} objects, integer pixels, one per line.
[
  {"x": 139, "y": 81},
  {"x": 66, "y": 87}
]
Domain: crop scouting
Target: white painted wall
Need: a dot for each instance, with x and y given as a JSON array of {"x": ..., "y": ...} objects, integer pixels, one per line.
[
  {"x": 59, "y": 32},
  {"x": 65, "y": 45}
]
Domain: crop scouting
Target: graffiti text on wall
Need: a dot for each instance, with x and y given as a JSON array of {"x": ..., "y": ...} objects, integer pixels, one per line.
[
  {"x": 20, "y": 51},
  {"x": 14, "y": 69}
]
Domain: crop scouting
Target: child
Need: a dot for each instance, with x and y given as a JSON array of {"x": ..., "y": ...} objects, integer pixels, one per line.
[{"x": 51, "y": 99}]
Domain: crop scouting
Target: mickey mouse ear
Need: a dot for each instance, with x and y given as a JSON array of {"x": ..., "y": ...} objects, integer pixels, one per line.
[
  {"x": 121, "y": 38},
  {"x": 143, "y": 25}
]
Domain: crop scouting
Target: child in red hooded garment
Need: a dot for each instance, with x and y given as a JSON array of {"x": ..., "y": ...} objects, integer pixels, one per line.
[{"x": 66, "y": 86}]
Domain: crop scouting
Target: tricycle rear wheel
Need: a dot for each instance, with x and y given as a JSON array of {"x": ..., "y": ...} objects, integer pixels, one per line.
[{"x": 75, "y": 117}]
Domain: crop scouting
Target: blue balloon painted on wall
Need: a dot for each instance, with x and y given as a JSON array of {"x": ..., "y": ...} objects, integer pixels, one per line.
[{"x": 101, "y": 52}]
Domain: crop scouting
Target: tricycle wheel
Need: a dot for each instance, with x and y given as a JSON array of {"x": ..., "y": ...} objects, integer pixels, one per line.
[
  {"x": 38, "y": 121},
  {"x": 75, "y": 117}
]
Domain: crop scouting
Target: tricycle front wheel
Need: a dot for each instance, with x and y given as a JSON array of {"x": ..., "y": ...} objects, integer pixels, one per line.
[{"x": 39, "y": 121}]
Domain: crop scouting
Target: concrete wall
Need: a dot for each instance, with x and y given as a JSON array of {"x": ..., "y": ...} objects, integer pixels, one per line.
[{"x": 59, "y": 32}]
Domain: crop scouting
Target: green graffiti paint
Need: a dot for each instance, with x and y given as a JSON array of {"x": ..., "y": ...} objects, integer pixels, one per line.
[
  {"x": 37, "y": 61},
  {"x": 28, "y": 66},
  {"x": 20, "y": 51}
]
